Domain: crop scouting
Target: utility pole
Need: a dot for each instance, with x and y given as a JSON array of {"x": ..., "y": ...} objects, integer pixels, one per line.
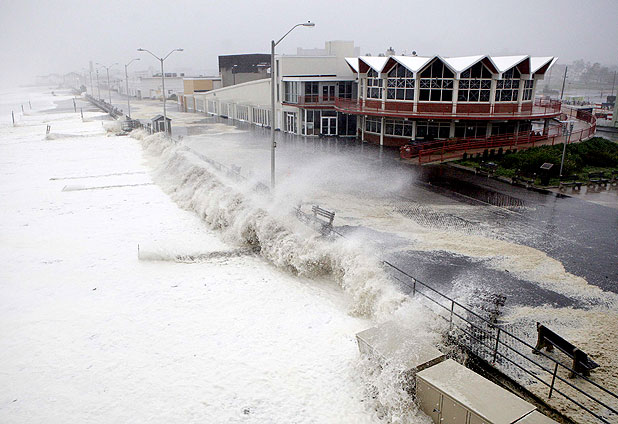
[
  {"x": 614, "y": 83},
  {"x": 109, "y": 88},
  {"x": 98, "y": 86},
  {"x": 161, "y": 59},
  {"x": 273, "y": 81},
  {"x": 126, "y": 76},
  {"x": 564, "y": 81}
]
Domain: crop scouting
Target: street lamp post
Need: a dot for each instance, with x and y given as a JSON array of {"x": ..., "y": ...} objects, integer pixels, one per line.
[
  {"x": 109, "y": 89},
  {"x": 567, "y": 129},
  {"x": 98, "y": 86},
  {"x": 126, "y": 77},
  {"x": 161, "y": 59},
  {"x": 234, "y": 73},
  {"x": 273, "y": 145}
]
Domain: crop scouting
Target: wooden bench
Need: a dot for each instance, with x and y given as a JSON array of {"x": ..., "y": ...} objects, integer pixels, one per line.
[
  {"x": 330, "y": 216},
  {"x": 548, "y": 339}
]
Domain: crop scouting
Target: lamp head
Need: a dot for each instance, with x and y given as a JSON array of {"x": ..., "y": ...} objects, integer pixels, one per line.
[
  {"x": 180, "y": 50},
  {"x": 140, "y": 50},
  {"x": 309, "y": 24}
]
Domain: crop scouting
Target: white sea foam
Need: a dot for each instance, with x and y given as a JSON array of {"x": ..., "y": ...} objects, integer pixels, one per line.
[{"x": 243, "y": 219}]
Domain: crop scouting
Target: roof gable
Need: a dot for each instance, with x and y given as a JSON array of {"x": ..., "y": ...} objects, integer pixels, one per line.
[
  {"x": 504, "y": 63},
  {"x": 352, "y": 63},
  {"x": 374, "y": 62}
]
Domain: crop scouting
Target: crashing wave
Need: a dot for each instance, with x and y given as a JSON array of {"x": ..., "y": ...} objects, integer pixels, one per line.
[{"x": 242, "y": 217}]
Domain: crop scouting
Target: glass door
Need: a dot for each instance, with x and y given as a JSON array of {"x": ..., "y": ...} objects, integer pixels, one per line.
[
  {"x": 329, "y": 125},
  {"x": 290, "y": 122},
  {"x": 328, "y": 93}
]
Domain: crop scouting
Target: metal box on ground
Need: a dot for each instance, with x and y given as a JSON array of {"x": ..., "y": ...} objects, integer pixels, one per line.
[
  {"x": 452, "y": 394},
  {"x": 393, "y": 344}
]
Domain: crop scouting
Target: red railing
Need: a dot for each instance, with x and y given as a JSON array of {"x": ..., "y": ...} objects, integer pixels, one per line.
[
  {"x": 456, "y": 147},
  {"x": 537, "y": 109},
  {"x": 314, "y": 100}
]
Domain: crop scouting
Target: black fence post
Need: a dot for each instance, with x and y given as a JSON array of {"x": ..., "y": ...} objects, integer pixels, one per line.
[
  {"x": 451, "y": 318},
  {"x": 551, "y": 388},
  {"x": 496, "y": 347}
]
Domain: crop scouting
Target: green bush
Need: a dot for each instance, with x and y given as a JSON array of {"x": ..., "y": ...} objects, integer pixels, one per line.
[{"x": 597, "y": 152}]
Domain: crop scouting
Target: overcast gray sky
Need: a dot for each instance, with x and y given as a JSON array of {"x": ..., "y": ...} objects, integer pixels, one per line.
[{"x": 38, "y": 37}]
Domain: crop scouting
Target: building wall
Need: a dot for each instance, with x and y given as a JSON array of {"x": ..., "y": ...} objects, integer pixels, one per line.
[
  {"x": 150, "y": 87},
  {"x": 241, "y": 68},
  {"x": 191, "y": 85}
]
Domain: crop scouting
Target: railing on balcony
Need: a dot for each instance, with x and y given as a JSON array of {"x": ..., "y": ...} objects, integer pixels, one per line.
[
  {"x": 538, "y": 108},
  {"x": 312, "y": 100},
  {"x": 454, "y": 148}
]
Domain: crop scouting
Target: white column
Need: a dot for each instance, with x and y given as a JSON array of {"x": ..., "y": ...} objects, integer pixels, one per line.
[
  {"x": 417, "y": 83},
  {"x": 414, "y": 130},
  {"x": 455, "y": 94},
  {"x": 382, "y": 131},
  {"x": 383, "y": 91},
  {"x": 520, "y": 92},
  {"x": 361, "y": 121},
  {"x": 492, "y": 93}
]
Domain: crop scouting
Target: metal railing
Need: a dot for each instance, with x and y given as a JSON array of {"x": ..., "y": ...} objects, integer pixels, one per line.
[
  {"x": 311, "y": 100},
  {"x": 506, "y": 351},
  {"x": 453, "y": 148},
  {"x": 104, "y": 106},
  {"x": 540, "y": 108}
]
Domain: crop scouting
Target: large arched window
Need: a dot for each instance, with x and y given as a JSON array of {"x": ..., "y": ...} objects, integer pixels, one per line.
[
  {"x": 508, "y": 87},
  {"x": 436, "y": 83},
  {"x": 400, "y": 84},
  {"x": 475, "y": 84},
  {"x": 374, "y": 85}
]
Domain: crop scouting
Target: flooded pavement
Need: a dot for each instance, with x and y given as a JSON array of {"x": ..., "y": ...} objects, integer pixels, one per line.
[
  {"x": 453, "y": 230},
  {"x": 360, "y": 182}
]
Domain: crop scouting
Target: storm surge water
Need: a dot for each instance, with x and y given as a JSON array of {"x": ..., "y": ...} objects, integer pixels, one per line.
[{"x": 253, "y": 219}]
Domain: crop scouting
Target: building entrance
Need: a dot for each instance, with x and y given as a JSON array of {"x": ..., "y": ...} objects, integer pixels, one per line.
[
  {"x": 290, "y": 122},
  {"x": 329, "y": 125}
]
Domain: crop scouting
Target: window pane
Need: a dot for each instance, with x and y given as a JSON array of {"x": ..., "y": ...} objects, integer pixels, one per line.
[
  {"x": 447, "y": 95},
  {"x": 410, "y": 94},
  {"x": 390, "y": 93},
  {"x": 435, "y": 95},
  {"x": 424, "y": 95},
  {"x": 400, "y": 94}
]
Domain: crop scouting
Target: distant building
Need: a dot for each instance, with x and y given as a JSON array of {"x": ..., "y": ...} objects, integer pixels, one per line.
[
  {"x": 239, "y": 68},
  {"x": 201, "y": 84}
]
